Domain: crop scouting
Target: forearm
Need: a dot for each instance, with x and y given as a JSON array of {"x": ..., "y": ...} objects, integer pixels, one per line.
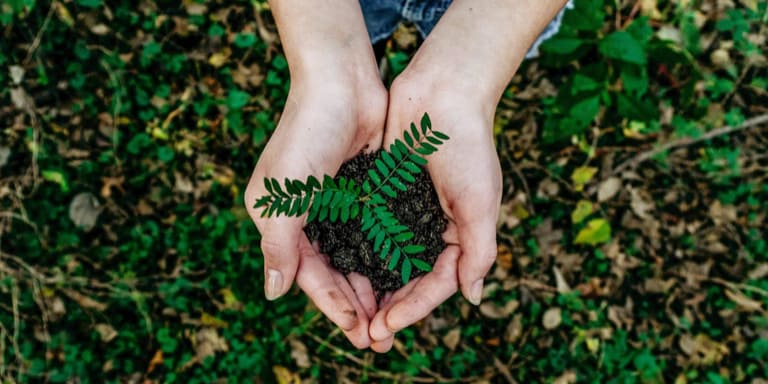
[
  {"x": 324, "y": 38},
  {"x": 479, "y": 45}
]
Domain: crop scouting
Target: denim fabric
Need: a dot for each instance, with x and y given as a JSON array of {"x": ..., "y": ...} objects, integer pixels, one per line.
[{"x": 383, "y": 16}]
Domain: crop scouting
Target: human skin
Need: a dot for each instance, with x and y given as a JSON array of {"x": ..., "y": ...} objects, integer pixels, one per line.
[
  {"x": 458, "y": 76},
  {"x": 336, "y": 108}
]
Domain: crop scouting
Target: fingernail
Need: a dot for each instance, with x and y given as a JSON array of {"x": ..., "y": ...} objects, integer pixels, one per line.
[
  {"x": 274, "y": 284},
  {"x": 476, "y": 292}
]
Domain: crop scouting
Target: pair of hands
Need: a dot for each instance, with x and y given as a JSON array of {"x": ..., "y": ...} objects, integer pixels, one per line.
[{"x": 326, "y": 123}]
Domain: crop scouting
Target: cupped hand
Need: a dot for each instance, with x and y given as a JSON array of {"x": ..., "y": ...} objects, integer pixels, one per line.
[
  {"x": 323, "y": 124},
  {"x": 467, "y": 177}
]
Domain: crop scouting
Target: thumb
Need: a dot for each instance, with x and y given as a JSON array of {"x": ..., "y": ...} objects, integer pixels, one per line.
[
  {"x": 478, "y": 245},
  {"x": 280, "y": 246}
]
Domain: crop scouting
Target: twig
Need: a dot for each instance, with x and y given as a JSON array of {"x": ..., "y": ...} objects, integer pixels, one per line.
[
  {"x": 39, "y": 36},
  {"x": 686, "y": 141}
]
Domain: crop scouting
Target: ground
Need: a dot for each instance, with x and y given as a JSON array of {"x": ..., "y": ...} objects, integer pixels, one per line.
[{"x": 632, "y": 240}]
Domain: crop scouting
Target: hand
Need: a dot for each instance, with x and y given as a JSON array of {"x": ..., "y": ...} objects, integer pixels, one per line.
[
  {"x": 322, "y": 126},
  {"x": 467, "y": 177}
]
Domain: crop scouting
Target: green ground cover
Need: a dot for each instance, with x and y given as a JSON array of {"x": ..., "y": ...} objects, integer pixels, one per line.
[{"x": 632, "y": 240}]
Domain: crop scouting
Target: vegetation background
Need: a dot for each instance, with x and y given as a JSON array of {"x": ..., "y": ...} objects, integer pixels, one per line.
[{"x": 632, "y": 240}]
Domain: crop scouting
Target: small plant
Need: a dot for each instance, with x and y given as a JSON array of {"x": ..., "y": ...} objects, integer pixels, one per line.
[{"x": 343, "y": 199}]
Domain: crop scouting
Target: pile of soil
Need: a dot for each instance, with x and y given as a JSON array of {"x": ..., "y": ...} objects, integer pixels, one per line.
[{"x": 345, "y": 243}]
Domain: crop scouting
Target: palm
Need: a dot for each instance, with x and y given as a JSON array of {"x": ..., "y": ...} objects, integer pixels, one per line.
[{"x": 467, "y": 178}]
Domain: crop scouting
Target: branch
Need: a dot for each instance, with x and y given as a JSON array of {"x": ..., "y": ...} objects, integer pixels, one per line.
[{"x": 686, "y": 141}]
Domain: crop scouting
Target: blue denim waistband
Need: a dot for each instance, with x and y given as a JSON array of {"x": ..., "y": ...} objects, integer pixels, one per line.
[{"x": 383, "y": 16}]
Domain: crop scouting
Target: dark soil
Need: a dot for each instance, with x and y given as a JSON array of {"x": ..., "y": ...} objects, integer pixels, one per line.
[{"x": 418, "y": 208}]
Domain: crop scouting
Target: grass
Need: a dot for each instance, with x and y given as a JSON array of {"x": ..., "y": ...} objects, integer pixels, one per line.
[{"x": 632, "y": 244}]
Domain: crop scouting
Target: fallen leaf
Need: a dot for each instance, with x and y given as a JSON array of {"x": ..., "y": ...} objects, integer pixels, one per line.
[
  {"x": 568, "y": 377},
  {"x": 608, "y": 189},
  {"x": 208, "y": 342},
  {"x": 106, "y": 332},
  {"x": 583, "y": 209},
  {"x": 582, "y": 176},
  {"x": 514, "y": 329},
  {"x": 5, "y": 154},
  {"x": 17, "y": 74},
  {"x": 284, "y": 376},
  {"x": 84, "y": 210},
  {"x": 744, "y": 303},
  {"x": 641, "y": 204},
  {"x": 157, "y": 359},
  {"x": 552, "y": 318},
  {"x": 596, "y": 231},
  {"x": 492, "y": 310},
  {"x": 452, "y": 338},
  {"x": 562, "y": 285},
  {"x": 299, "y": 354}
]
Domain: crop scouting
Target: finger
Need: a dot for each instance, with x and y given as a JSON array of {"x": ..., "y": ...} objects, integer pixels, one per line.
[
  {"x": 434, "y": 288},
  {"x": 315, "y": 278},
  {"x": 279, "y": 244},
  {"x": 383, "y": 346},
  {"x": 478, "y": 242},
  {"x": 364, "y": 292},
  {"x": 378, "y": 329},
  {"x": 358, "y": 336}
]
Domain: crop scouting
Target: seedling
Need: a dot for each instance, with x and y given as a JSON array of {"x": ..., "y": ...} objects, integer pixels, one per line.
[{"x": 343, "y": 199}]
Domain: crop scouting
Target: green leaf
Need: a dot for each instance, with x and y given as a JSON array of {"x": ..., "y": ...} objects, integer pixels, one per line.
[
  {"x": 597, "y": 231},
  {"x": 314, "y": 209},
  {"x": 374, "y": 177},
  {"x": 328, "y": 182},
  {"x": 312, "y": 182},
  {"x": 394, "y": 259},
  {"x": 401, "y": 146},
  {"x": 417, "y": 159},
  {"x": 334, "y": 213},
  {"x": 426, "y": 124},
  {"x": 245, "y": 40},
  {"x": 405, "y": 236},
  {"x": 398, "y": 184},
  {"x": 422, "y": 265},
  {"x": 323, "y": 213},
  {"x": 379, "y": 241},
  {"x": 305, "y": 203},
  {"x": 381, "y": 167},
  {"x": 268, "y": 185},
  {"x": 389, "y": 191},
  {"x": 583, "y": 209},
  {"x": 395, "y": 229},
  {"x": 405, "y": 175},
  {"x": 385, "y": 249},
  {"x": 434, "y": 140},
  {"x": 440, "y": 135},
  {"x": 354, "y": 210},
  {"x": 344, "y": 213},
  {"x": 429, "y": 146},
  {"x": 396, "y": 153},
  {"x": 620, "y": 45},
  {"x": 337, "y": 198},
  {"x": 413, "y": 249},
  {"x": 295, "y": 206},
  {"x": 561, "y": 45},
  {"x": 388, "y": 159},
  {"x": 276, "y": 187},
  {"x": 367, "y": 186},
  {"x": 582, "y": 176},
  {"x": 237, "y": 99},
  {"x": 290, "y": 187},
  {"x": 375, "y": 230},
  {"x": 326, "y": 199},
  {"x": 415, "y": 132},
  {"x": 299, "y": 186},
  {"x": 409, "y": 165},
  {"x": 377, "y": 199},
  {"x": 408, "y": 139},
  {"x": 406, "y": 270}
]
